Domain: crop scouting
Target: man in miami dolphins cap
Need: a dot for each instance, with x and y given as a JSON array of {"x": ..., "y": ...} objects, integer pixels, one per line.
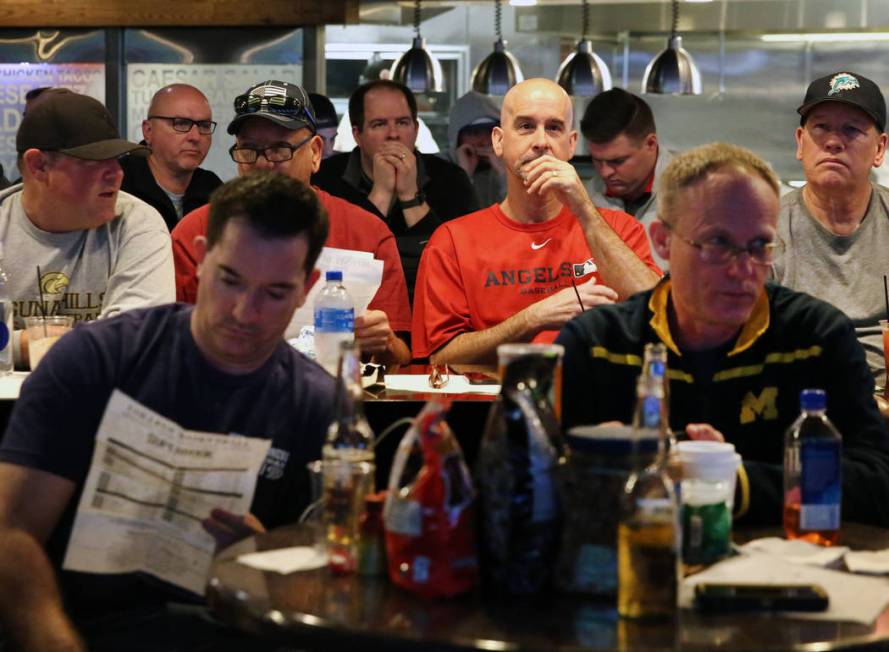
[{"x": 833, "y": 234}]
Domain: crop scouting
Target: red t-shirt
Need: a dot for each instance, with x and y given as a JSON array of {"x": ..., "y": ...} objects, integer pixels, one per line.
[
  {"x": 351, "y": 227},
  {"x": 482, "y": 268}
]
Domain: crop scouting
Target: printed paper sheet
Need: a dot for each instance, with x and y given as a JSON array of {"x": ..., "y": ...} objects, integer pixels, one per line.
[
  {"x": 362, "y": 275},
  {"x": 150, "y": 484}
]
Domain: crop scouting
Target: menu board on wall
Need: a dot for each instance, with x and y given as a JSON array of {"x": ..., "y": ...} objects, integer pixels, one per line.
[
  {"x": 221, "y": 83},
  {"x": 16, "y": 79}
]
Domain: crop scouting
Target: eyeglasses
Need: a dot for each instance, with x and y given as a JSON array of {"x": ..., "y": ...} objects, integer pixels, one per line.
[
  {"x": 273, "y": 154},
  {"x": 184, "y": 125},
  {"x": 292, "y": 107},
  {"x": 721, "y": 252}
]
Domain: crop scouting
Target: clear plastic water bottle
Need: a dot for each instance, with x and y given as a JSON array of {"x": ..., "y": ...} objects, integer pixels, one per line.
[
  {"x": 812, "y": 473},
  {"x": 334, "y": 321},
  {"x": 7, "y": 312}
]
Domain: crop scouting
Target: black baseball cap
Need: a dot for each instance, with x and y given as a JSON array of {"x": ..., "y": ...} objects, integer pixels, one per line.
[
  {"x": 848, "y": 88},
  {"x": 60, "y": 120},
  {"x": 325, "y": 112},
  {"x": 281, "y": 102}
]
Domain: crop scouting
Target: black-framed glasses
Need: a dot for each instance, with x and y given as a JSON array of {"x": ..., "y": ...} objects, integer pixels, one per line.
[
  {"x": 286, "y": 105},
  {"x": 273, "y": 153},
  {"x": 184, "y": 125},
  {"x": 719, "y": 251}
]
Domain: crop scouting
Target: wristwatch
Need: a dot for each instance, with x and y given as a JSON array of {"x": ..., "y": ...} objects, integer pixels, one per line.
[{"x": 418, "y": 200}]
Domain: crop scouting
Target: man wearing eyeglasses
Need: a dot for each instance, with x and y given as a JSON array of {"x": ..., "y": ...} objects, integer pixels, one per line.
[
  {"x": 739, "y": 350},
  {"x": 833, "y": 234},
  {"x": 275, "y": 130},
  {"x": 179, "y": 130}
]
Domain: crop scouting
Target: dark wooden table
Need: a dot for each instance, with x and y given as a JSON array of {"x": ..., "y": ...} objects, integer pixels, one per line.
[{"x": 319, "y": 611}]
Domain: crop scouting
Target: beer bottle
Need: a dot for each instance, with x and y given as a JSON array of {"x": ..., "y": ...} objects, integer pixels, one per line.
[
  {"x": 348, "y": 468},
  {"x": 648, "y": 532},
  {"x": 349, "y": 436}
]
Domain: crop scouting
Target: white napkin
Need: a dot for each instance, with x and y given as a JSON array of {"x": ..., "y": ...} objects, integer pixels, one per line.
[
  {"x": 457, "y": 384},
  {"x": 865, "y": 561},
  {"x": 285, "y": 560},
  {"x": 796, "y": 551},
  {"x": 852, "y": 598}
]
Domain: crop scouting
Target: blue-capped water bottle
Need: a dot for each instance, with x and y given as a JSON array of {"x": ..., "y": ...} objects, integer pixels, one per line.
[
  {"x": 7, "y": 312},
  {"x": 813, "y": 452},
  {"x": 334, "y": 321}
]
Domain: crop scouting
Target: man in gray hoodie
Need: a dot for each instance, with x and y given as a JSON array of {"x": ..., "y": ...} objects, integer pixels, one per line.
[{"x": 471, "y": 120}]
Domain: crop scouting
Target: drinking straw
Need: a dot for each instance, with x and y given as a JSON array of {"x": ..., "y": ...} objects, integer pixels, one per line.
[
  {"x": 42, "y": 306},
  {"x": 577, "y": 293},
  {"x": 886, "y": 293}
]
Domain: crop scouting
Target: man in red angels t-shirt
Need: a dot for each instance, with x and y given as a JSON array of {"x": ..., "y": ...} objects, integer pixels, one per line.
[{"x": 518, "y": 270}]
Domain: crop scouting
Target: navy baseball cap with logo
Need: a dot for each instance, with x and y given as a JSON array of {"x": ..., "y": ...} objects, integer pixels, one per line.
[
  {"x": 848, "y": 88},
  {"x": 283, "y": 103},
  {"x": 60, "y": 120}
]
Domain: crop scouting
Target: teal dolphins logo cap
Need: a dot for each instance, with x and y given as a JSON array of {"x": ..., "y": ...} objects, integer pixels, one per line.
[{"x": 847, "y": 88}]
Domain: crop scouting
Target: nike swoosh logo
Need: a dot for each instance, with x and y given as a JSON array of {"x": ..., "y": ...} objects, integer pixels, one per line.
[
  {"x": 422, "y": 242},
  {"x": 536, "y": 246}
]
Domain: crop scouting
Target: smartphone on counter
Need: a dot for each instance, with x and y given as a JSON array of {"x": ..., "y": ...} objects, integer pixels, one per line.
[{"x": 760, "y": 597}]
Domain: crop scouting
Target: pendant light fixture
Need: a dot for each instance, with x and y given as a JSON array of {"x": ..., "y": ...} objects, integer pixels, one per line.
[
  {"x": 499, "y": 71},
  {"x": 583, "y": 73},
  {"x": 416, "y": 68},
  {"x": 672, "y": 71}
]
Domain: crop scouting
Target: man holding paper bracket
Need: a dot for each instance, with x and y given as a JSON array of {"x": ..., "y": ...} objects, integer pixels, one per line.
[
  {"x": 275, "y": 130},
  {"x": 220, "y": 366}
]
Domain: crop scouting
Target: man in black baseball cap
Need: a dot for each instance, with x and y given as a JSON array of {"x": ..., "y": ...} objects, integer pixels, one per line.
[
  {"x": 847, "y": 88},
  {"x": 60, "y": 120},
  {"x": 99, "y": 251},
  {"x": 276, "y": 129},
  {"x": 834, "y": 232},
  {"x": 325, "y": 115}
]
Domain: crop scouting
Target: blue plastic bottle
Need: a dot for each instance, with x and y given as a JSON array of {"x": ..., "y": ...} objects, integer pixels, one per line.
[{"x": 813, "y": 451}]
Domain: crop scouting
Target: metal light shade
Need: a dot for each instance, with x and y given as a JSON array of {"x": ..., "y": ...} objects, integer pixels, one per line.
[
  {"x": 583, "y": 73},
  {"x": 497, "y": 73},
  {"x": 673, "y": 71},
  {"x": 418, "y": 70}
]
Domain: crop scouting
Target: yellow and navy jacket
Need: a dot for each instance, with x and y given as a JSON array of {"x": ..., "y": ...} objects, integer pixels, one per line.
[{"x": 749, "y": 390}]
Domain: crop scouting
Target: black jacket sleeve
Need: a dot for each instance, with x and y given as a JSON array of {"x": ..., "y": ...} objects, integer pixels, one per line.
[{"x": 852, "y": 409}]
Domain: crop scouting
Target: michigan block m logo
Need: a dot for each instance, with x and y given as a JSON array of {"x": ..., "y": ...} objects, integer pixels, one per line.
[{"x": 753, "y": 406}]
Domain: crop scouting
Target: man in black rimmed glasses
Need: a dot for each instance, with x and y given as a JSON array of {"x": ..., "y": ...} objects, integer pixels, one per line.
[
  {"x": 739, "y": 350},
  {"x": 179, "y": 129},
  {"x": 275, "y": 129}
]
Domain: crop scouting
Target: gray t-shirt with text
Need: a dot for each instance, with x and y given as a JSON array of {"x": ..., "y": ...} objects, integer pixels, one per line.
[
  {"x": 846, "y": 271},
  {"x": 91, "y": 273}
]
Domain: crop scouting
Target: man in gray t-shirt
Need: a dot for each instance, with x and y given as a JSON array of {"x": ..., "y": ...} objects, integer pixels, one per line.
[
  {"x": 833, "y": 234},
  {"x": 99, "y": 251}
]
